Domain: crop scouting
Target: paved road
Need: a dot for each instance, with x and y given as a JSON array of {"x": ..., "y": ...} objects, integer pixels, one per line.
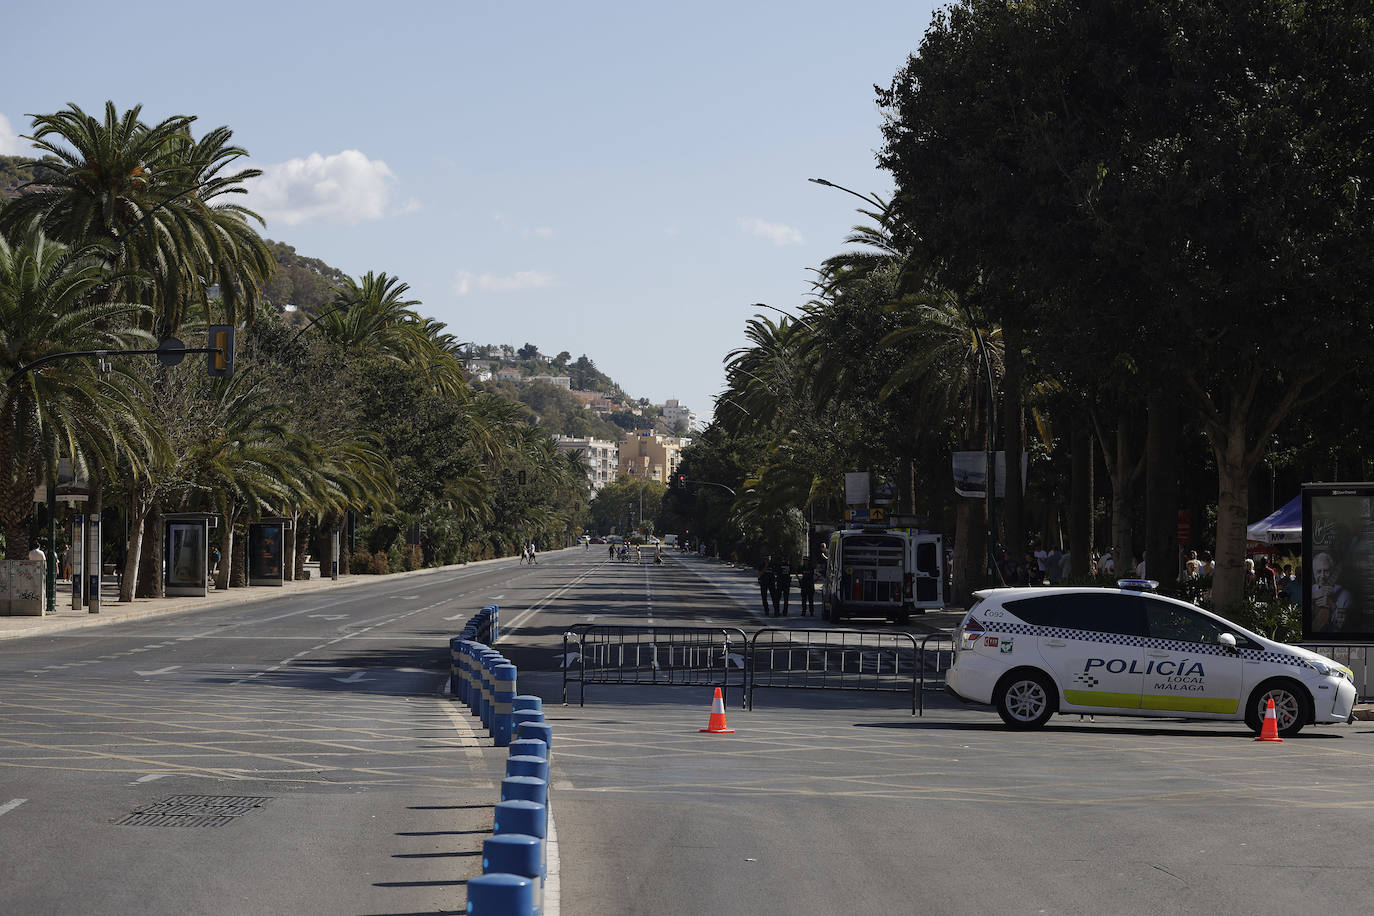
[{"x": 359, "y": 789}]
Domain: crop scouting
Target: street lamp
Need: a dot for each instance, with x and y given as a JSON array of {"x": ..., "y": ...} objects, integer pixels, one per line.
[{"x": 991, "y": 471}]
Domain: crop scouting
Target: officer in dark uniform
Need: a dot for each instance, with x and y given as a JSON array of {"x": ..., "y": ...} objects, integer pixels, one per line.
[
  {"x": 806, "y": 584},
  {"x": 766, "y": 584}
]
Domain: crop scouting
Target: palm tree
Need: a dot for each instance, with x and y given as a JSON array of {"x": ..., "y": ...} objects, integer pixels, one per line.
[
  {"x": 157, "y": 198},
  {"x": 53, "y": 300}
]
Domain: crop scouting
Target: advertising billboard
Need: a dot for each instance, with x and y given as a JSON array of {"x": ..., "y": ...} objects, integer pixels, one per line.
[
  {"x": 1338, "y": 562},
  {"x": 186, "y": 557},
  {"x": 265, "y": 553}
]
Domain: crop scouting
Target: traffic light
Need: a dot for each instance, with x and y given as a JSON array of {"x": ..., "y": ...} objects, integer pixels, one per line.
[{"x": 221, "y": 357}]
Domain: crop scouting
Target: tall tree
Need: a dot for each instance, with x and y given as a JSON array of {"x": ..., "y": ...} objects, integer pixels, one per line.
[{"x": 52, "y": 301}]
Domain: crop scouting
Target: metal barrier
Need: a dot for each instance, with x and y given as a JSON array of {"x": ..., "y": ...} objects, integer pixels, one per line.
[
  {"x": 883, "y": 661},
  {"x": 1354, "y": 657},
  {"x": 652, "y": 655},
  {"x": 937, "y": 661}
]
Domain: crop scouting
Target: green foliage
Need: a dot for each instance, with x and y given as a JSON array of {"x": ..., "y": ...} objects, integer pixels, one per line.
[{"x": 309, "y": 284}]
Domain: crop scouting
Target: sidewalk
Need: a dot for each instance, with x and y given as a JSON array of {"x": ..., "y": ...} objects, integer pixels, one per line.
[{"x": 114, "y": 611}]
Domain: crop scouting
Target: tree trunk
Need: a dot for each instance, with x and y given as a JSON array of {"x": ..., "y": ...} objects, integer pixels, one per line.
[
  {"x": 969, "y": 561},
  {"x": 1013, "y": 507},
  {"x": 1161, "y": 488},
  {"x": 138, "y": 518},
  {"x": 1233, "y": 505},
  {"x": 288, "y": 560},
  {"x": 226, "y": 550},
  {"x": 238, "y": 568},
  {"x": 1080, "y": 497},
  {"x": 304, "y": 524}
]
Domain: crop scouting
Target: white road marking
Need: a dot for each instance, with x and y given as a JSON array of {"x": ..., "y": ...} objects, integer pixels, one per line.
[
  {"x": 327, "y": 617},
  {"x": 151, "y": 777},
  {"x": 353, "y": 678},
  {"x": 166, "y": 670},
  {"x": 10, "y": 805}
]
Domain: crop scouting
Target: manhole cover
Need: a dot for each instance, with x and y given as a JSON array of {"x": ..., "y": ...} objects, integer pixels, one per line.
[{"x": 193, "y": 811}]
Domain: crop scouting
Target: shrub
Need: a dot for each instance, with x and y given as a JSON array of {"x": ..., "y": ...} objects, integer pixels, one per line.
[
  {"x": 360, "y": 562},
  {"x": 378, "y": 565}
]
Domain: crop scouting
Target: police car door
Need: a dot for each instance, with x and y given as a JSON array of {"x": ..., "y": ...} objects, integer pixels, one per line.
[
  {"x": 1092, "y": 642},
  {"x": 1187, "y": 669}
]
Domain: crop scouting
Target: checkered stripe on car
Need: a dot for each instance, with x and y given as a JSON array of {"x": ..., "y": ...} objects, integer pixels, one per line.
[
  {"x": 1001, "y": 627},
  {"x": 1024, "y": 629}
]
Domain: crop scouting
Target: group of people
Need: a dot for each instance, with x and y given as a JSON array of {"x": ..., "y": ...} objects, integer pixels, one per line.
[
  {"x": 775, "y": 586},
  {"x": 1273, "y": 582},
  {"x": 528, "y": 553},
  {"x": 622, "y": 551}
]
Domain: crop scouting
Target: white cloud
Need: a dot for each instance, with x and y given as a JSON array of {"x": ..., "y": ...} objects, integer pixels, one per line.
[
  {"x": 467, "y": 281},
  {"x": 539, "y": 232},
  {"x": 777, "y": 233},
  {"x": 10, "y": 144},
  {"x": 345, "y": 188}
]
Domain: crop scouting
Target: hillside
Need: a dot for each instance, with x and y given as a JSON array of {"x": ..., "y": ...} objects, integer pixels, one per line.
[{"x": 308, "y": 284}]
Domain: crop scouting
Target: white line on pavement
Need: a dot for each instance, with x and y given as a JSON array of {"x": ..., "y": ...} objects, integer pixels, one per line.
[{"x": 10, "y": 805}]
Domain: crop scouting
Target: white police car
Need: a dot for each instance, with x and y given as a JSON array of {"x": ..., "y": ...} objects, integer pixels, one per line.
[{"x": 1033, "y": 652}]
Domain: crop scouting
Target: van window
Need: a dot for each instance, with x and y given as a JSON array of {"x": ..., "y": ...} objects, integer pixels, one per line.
[{"x": 1105, "y": 612}]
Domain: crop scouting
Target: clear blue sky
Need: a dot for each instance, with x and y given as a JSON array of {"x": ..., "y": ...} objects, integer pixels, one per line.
[{"x": 616, "y": 179}]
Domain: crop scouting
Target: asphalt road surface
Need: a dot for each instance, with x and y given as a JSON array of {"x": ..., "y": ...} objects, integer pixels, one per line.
[{"x": 299, "y": 755}]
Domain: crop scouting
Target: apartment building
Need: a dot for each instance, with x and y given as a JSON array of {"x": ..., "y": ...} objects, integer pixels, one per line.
[
  {"x": 601, "y": 455},
  {"x": 674, "y": 413},
  {"x": 647, "y": 455}
]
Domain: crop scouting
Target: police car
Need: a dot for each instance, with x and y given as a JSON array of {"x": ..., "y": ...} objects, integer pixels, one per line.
[{"x": 1032, "y": 652}]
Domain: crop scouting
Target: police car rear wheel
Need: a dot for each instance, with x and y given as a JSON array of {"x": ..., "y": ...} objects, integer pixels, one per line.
[
  {"x": 1290, "y": 707},
  {"x": 1024, "y": 699}
]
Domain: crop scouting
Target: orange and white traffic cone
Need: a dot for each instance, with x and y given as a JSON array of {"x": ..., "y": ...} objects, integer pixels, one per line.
[
  {"x": 1269, "y": 731},
  {"x": 716, "y": 724}
]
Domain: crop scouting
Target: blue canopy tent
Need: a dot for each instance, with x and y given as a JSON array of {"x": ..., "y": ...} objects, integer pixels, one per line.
[{"x": 1282, "y": 526}]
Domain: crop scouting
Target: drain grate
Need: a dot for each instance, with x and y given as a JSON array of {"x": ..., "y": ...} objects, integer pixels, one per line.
[{"x": 194, "y": 811}]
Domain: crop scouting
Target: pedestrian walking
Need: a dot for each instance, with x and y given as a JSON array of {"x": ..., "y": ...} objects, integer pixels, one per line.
[
  {"x": 532, "y": 553},
  {"x": 766, "y": 584},
  {"x": 806, "y": 584}
]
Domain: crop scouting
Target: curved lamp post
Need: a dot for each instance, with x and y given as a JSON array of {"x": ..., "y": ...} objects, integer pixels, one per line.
[{"x": 991, "y": 473}]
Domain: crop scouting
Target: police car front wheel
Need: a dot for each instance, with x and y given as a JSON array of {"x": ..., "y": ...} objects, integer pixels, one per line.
[
  {"x": 1290, "y": 707},
  {"x": 1025, "y": 699}
]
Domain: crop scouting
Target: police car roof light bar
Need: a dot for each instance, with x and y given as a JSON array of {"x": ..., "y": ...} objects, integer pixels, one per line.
[{"x": 1137, "y": 585}]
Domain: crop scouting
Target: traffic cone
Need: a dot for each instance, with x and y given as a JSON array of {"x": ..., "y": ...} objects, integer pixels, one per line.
[
  {"x": 1270, "y": 730},
  {"x": 716, "y": 724}
]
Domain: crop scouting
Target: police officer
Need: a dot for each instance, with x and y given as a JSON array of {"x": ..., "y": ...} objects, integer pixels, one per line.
[
  {"x": 766, "y": 584},
  {"x": 782, "y": 587},
  {"x": 806, "y": 584}
]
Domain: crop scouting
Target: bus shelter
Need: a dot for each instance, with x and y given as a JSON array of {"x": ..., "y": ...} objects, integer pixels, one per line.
[
  {"x": 266, "y": 551},
  {"x": 186, "y": 553}
]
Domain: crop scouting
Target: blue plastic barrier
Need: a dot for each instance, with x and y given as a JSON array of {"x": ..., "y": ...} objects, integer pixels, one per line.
[
  {"x": 502, "y": 718},
  {"x": 520, "y": 816},
  {"x": 501, "y": 895},
  {"x": 525, "y": 788},
  {"x": 527, "y": 765}
]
